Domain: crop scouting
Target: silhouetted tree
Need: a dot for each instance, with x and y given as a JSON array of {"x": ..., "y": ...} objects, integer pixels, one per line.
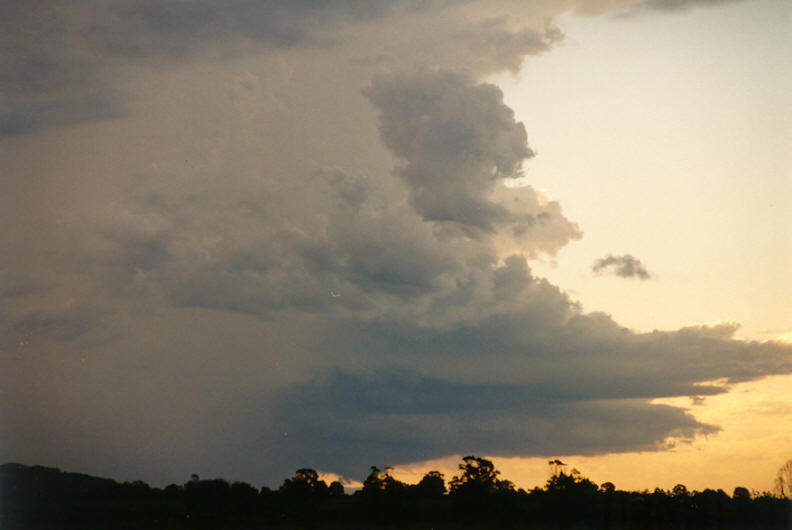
[
  {"x": 477, "y": 491},
  {"x": 335, "y": 489},
  {"x": 679, "y": 491},
  {"x": 38, "y": 497},
  {"x": 783, "y": 481},
  {"x": 741, "y": 494},
  {"x": 477, "y": 475},
  {"x": 303, "y": 485},
  {"x": 607, "y": 488},
  {"x": 431, "y": 485},
  {"x": 207, "y": 499},
  {"x": 244, "y": 499},
  {"x": 556, "y": 466},
  {"x": 561, "y": 481},
  {"x": 172, "y": 490},
  {"x": 569, "y": 496},
  {"x": 379, "y": 482}
]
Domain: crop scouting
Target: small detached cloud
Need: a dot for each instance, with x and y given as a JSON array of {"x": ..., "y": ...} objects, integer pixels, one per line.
[{"x": 625, "y": 266}]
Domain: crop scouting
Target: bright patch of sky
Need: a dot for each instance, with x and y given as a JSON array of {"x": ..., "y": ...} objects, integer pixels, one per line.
[{"x": 667, "y": 137}]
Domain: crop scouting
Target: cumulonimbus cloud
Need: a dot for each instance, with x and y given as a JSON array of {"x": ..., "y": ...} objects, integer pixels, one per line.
[{"x": 311, "y": 257}]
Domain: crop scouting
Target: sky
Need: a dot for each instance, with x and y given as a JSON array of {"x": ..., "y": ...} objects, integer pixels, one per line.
[{"x": 244, "y": 238}]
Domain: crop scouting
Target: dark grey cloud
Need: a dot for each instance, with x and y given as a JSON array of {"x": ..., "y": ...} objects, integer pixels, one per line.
[
  {"x": 396, "y": 417},
  {"x": 51, "y": 76},
  {"x": 625, "y": 266},
  {"x": 64, "y": 63},
  {"x": 457, "y": 138},
  {"x": 346, "y": 245},
  {"x": 67, "y": 324},
  {"x": 646, "y": 7},
  {"x": 61, "y": 61},
  {"x": 680, "y": 5},
  {"x": 12, "y": 286},
  {"x": 145, "y": 28},
  {"x": 513, "y": 383},
  {"x": 56, "y": 113}
]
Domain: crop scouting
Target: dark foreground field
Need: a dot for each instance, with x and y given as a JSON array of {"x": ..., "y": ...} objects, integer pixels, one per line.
[{"x": 36, "y": 498}]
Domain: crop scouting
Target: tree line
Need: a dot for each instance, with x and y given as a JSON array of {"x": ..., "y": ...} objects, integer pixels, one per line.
[{"x": 476, "y": 497}]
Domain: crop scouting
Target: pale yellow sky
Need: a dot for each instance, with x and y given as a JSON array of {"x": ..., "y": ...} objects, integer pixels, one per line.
[{"x": 677, "y": 154}]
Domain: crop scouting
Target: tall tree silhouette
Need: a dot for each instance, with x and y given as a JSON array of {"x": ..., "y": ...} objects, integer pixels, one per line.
[
  {"x": 37, "y": 497},
  {"x": 478, "y": 477},
  {"x": 783, "y": 481},
  {"x": 381, "y": 482},
  {"x": 303, "y": 485},
  {"x": 431, "y": 485}
]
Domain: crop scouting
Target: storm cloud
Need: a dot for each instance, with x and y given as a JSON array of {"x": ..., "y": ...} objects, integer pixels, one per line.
[
  {"x": 64, "y": 64},
  {"x": 679, "y": 5},
  {"x": 292, "y": 234},
  {"x": 458, "y": 139}
]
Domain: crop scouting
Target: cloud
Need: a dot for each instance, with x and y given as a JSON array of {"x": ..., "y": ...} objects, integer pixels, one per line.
[
  {"x": 624, "y": 266},
  {"x": 395, "y": 417},
  {"x": 57, "y": 113},
  {"x": 529, "y": 375},
  {"x": 679, "y": 5},
  {"x": 12, "y": 286},
  {"x": 496, "y": 46},
  {"x": 64, "y": 325},
  {"x": 62, "y": 62},
  {"x": 51, "y": 77},
  {"x": 192, "y": 250},
  {"x": 644, "y": 7},
  {"x": 457, "y": 138},
  {"x": 362, "y": 235},
  {"x": 148, "y": 28}
]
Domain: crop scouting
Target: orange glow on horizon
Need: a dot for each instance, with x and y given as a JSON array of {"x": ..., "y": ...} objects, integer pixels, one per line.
[{"x": 749, "y": 416}]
